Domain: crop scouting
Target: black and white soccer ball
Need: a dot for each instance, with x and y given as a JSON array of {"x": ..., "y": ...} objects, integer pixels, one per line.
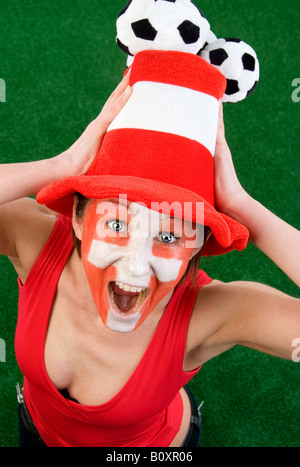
[
  {"x": 179, "y": 25},
  {"x": 238, "y": 63},
  {"x": 161, "y": 25}
]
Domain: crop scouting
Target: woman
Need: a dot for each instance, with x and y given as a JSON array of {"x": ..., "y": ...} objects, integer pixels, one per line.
[{"x": 87, "y": 360}]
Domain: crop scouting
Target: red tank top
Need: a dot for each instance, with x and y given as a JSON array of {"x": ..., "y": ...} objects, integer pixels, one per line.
[{"x": 147, "y": 411}]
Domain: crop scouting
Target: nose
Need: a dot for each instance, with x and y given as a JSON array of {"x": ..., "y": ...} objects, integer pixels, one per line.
[{"x": 137, "y": 257}]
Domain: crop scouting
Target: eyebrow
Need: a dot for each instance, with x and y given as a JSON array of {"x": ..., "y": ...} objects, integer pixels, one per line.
[
  {"x": 126, "y": 203},
  {"x": 119, "y": 201}
]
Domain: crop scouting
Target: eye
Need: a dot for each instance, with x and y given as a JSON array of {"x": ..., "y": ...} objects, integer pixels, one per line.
[
  {"x": 117, "y": 226},
  {"x": 167, "y": 237}
]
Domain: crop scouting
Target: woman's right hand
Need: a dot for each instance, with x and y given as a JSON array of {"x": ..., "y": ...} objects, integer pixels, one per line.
[
  {"x": 25, "y": 179},
  {"x": 78, "y": 158}
]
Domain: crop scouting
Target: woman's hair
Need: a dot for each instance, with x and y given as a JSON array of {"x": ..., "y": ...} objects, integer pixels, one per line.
[{"x": 193, "y": 265}]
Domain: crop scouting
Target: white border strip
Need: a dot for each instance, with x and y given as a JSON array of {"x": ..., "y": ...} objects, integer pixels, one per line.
[{"x": 171, "y": 109}]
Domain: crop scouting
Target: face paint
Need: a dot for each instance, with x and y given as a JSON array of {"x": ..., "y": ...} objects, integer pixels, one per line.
[{"x": 132, "y": 259}]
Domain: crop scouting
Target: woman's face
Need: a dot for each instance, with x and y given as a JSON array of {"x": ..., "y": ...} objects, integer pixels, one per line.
[{"x": 133, "y": 257}]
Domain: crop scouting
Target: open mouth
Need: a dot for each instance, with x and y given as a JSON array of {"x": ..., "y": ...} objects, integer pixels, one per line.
[{"x": 125, "y": 299}]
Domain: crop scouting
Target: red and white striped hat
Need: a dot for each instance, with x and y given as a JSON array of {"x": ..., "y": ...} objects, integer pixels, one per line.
[{"x": 159, "y": 149}]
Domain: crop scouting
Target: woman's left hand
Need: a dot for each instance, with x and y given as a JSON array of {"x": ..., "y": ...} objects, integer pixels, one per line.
[{"x": 228, "y": 190}]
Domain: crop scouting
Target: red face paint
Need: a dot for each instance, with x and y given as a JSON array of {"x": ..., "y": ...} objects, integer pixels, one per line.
[{"x": 133, "y": 257}]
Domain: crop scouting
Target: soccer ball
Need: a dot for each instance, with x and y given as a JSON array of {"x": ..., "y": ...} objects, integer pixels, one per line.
[
  {"x": 238, "y": 63},
  {"x": 179, "y": 25},
  {"x": 161, "y": 25}
]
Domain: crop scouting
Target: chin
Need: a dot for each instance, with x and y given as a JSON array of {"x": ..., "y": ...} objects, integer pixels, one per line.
[{"x": 119, "y": 323}]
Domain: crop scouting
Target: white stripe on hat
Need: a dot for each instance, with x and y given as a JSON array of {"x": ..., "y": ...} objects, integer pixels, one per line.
[{"x": 171, "y": 109}]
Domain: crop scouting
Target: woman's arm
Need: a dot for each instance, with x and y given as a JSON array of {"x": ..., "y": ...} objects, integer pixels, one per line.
[
  {"x": 245, "y": 313},
  {"x": 242, "y": 313},
  {"x": 24, "y": 224},
  {"x": 26, "y": 179},
  {"x": 277, "y": 239}
]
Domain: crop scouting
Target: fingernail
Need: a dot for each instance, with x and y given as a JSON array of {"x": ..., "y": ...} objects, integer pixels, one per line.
[{"x": 127, "y": 90}]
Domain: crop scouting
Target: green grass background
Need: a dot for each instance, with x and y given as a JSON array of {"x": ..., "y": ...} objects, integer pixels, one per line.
[{"x": 59, "y": 62}]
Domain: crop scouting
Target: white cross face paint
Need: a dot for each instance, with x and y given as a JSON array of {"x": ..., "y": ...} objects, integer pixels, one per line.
[{"x": 132, "y": 258}]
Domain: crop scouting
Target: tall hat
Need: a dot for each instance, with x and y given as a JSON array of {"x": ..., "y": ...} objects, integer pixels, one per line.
[{"x": 159, "y": 149}]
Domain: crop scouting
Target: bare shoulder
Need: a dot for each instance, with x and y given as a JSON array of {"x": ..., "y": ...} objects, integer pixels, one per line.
[
  {"x": 208, "y": 314},
  {"x": 218, "y": 303},
  {"x": 25, "y": 228},
  {"x": 227, "y": 314}
]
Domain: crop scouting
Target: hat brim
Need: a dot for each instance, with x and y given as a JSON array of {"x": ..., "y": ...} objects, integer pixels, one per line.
[{"x": 227, "y": 234}]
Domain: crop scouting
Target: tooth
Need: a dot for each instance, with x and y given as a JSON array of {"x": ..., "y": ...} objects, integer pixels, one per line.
[{"x": 129, "y": 288}]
